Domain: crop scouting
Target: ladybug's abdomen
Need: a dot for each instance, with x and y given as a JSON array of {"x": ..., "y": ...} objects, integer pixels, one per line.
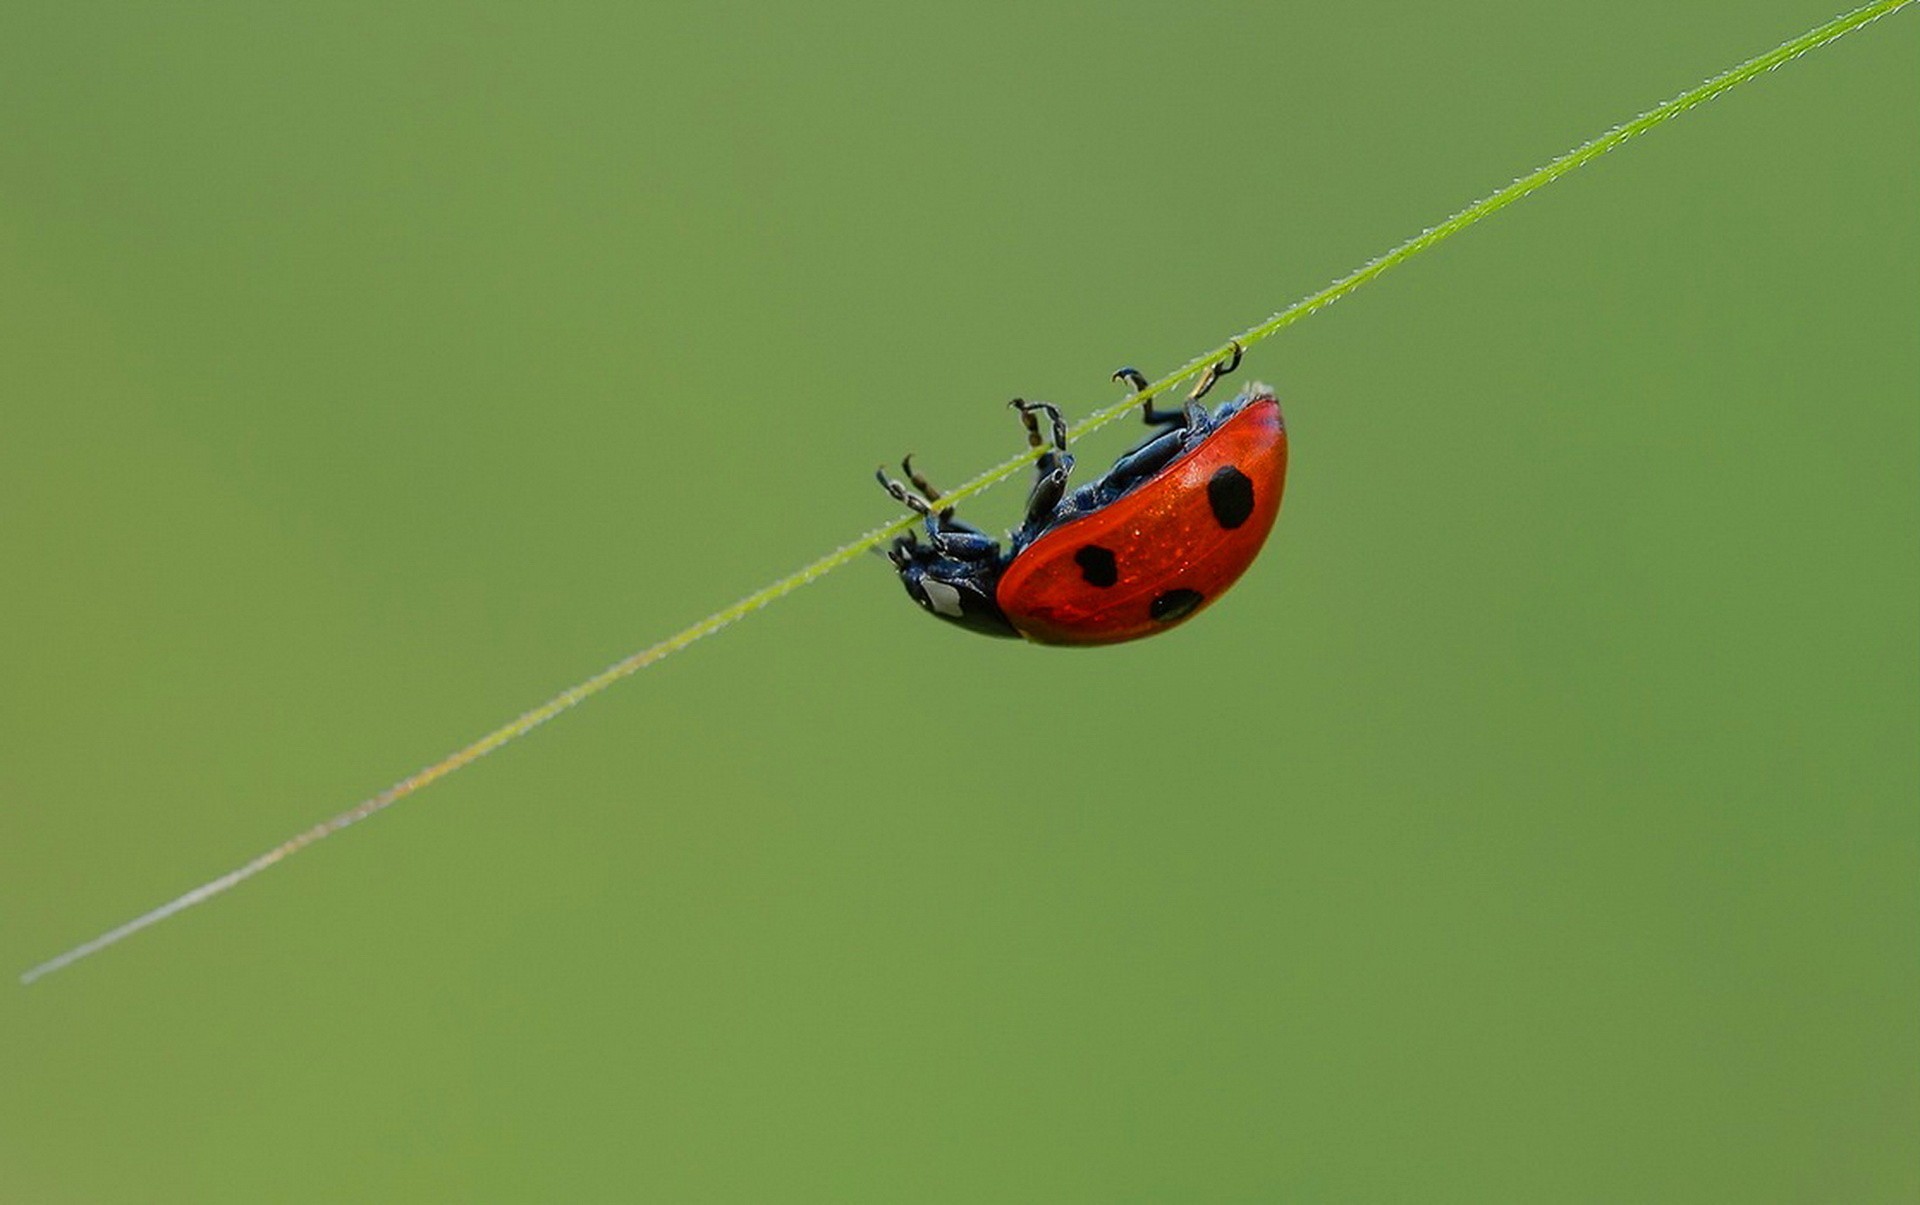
[{"x": 1161, "y": 553}]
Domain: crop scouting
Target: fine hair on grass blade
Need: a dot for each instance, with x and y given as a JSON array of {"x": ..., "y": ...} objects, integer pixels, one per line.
[{"x": 527, "y": 722}]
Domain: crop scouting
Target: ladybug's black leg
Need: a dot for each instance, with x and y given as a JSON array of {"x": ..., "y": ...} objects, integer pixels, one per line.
[
  {"x": 901, "y": 494},
  {"x": 1162, "y": 418},
  {"x": 937, "y": 520},
  {"x": 1054, "y": 465},
  {"x": 1152, "y": 417},
  {"x": 1034, "y": 438},
  {"x": 1046, "y": 495},
  {"x": 965, "y": 545},
  {"x": 948, "y": 537}
]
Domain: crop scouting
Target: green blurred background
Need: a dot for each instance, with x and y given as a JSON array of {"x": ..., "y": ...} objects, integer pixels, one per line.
[{"x": 1536, "y": 822}]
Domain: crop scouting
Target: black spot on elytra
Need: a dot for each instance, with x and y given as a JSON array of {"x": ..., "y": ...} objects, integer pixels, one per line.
[
  {"x": 1175, "y": 604},
  {"x": 1097, "y": 566},
  {"x": 1230, "y": 493}
]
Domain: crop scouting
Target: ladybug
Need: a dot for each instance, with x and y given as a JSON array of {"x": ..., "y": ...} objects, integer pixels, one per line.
[{"x": 1170, "y": 526}]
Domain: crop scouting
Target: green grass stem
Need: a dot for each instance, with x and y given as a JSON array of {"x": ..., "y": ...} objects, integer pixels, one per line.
[{"x": 566, "y": 699}]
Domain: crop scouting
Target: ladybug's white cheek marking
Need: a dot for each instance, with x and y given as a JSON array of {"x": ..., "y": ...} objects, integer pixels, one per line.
[{"x": 945, "y": 599}]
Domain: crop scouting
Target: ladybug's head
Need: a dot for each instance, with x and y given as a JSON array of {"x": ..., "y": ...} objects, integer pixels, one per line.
[{"x": 954, "y": 578}]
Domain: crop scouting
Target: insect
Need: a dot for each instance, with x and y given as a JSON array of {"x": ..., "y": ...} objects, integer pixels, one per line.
[{"x": 1170, "y": 526}]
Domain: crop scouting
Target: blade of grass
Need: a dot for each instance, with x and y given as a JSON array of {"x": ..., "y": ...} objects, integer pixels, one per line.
[{"x": 1485, "y": 207}]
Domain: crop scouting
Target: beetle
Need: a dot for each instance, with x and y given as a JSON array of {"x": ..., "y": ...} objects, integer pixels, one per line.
[{"x": 1149, "y": 545}]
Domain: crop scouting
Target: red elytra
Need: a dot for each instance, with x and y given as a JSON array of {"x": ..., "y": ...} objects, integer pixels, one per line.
[
  {"x": 1171, "y": 551},
  {"x": 1167, "y": 530}
]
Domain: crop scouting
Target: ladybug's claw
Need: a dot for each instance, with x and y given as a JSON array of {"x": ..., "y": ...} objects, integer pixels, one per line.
[{"x": 1215, "y": 372}]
